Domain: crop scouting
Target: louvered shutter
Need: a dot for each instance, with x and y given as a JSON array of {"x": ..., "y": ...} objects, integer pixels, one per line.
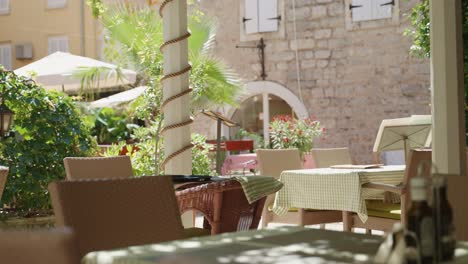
[
  {"x": 362, "y": 10},
  {"x": 63, "y": 44},
  {"x": 379, "y": 11},
  {"x": 251, "y": 16},
  {"x": 268, "y": 12},
  {"x": 56, "y": 3},
  {"x": 4, "y": 6},
  {"x": 59, "y": 43},
  {"x": 5, "y": 56}
]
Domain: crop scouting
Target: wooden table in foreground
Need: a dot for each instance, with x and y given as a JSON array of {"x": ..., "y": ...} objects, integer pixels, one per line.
[{"x": 281, "y": 245}]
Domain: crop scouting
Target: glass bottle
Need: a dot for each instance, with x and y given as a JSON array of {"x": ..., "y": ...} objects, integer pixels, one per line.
[
  {"x": 420, "y": 225},
  {"x": 445, "y": 228}
]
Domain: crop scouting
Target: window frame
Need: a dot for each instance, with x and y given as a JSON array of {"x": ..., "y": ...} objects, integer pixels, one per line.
[
  {"x": 280, "y": 33},
  {"x": 9, "y": 46},
  {"x": 394, "y": 20},
  {"x": 57, "y": 38},
  {"x": 54, "y": 4},
  {"x": 5, "y": 11}
]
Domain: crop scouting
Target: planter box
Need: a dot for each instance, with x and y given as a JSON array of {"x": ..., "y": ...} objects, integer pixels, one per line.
[{"x": 28, "y": 223}]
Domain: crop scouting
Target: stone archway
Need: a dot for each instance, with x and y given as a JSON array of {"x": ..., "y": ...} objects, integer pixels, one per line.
[{"x": 266, "y": 88}]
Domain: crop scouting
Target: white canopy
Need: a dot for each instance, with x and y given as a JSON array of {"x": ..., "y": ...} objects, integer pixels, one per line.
[
  {"x": 56, "y": 72},
  {"x": 404, "y": 133},
  {"x": 119, "y": 98}
]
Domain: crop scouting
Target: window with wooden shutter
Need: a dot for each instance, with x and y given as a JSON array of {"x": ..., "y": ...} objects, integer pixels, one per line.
[
  {"x": 366, "y": 14},
  {"x": 361, "y": 10},
  {"x": 365, "y": 10},
  {"x": 268, "y": 15},
  {"x": 58, "y": 43},
  {"x": 4, "y": 7},
  {"x": 382, "y": 9},
  {"x": 5, "y": 56},
  {"x": 251, "y": 16},
  {"x": 260, "y": 16},
  {"x": 56, "y": 3}
]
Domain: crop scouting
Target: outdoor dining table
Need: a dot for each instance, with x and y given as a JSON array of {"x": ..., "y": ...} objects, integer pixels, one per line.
[
  {"x": 279, "y": 245},
  {"x": 282, "y": 245},
  {"x": 333, "y": 189}
]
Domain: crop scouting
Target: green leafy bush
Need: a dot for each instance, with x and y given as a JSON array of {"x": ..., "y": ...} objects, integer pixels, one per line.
[
  {"x": 145, "y": 152},
  {"x": 110, "y": 126},
  {"x": 48, "y": 128},
  {"x": 201, "y": 162}
]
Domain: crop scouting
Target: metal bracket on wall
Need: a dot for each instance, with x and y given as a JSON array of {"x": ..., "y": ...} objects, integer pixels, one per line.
[
  {"x": 351, "y": 6},
  {"x": 261, "y": 54},
  {"x": 389, "y": 3}
]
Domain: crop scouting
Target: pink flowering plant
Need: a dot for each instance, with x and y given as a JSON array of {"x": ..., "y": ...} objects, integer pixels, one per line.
[{"x": 288, "y": 132}]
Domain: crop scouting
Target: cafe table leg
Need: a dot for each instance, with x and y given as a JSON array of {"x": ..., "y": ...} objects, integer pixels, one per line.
[{"x": 347, "y": 221}]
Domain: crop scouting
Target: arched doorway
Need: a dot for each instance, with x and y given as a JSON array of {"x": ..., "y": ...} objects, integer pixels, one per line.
[{"x": 262, "y": 101}]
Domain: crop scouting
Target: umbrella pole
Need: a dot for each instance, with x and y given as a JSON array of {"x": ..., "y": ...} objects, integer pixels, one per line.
[
  {"x": 218, "y": 147},
  {"x": 407, "y": 148}
]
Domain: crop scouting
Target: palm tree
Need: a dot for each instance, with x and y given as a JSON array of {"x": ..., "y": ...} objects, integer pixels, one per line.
[
  {"x": 133, "y": 38},
  {"x": 134, "y": 35}
]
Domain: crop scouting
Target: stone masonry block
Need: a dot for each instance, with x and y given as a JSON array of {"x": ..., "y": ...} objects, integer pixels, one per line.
[
  {"x": 323, "y": 33},
  {"x": 301, "y": 13},
  {"x": 306, "y": 64},
  {"x": 322, "y": 63},
  {"x": 322, "y": 54},
  {"x": 318, "y": 11},
  {"x": 302, "y": 44},
  {"x": 336, "y": 9}
]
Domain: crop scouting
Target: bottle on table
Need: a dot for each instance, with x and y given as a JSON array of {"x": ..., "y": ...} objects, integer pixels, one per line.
[
  {"x": 444, "y": 226},
  {"x": 420, "y": 225}
]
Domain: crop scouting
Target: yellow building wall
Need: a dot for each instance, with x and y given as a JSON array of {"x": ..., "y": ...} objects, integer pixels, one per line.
[{"x": 31, "y": 21}]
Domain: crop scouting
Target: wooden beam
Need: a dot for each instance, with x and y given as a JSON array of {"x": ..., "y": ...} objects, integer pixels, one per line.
[{"x": 448, "y": 135}]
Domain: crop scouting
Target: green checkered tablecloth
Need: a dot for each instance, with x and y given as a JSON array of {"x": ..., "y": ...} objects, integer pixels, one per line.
[
  {"x": 256, "y": 187},
  {"x": 333, "y": 189}
]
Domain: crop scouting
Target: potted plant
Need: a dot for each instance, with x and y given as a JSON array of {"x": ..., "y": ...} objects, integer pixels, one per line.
[{"x": 288, "y": 132}]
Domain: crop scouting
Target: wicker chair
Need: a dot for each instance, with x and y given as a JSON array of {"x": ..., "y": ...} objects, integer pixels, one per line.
[
  {"x": 223, "y": 204},
  {"x": 113, "y": 213},
  {"x": 39, "y": 247},
  {"x": 326, "y": 157},
  {"x": 3, "y": 178},
  {"x": 272, "y": 162},
  {"x": 79, "y": 168}
]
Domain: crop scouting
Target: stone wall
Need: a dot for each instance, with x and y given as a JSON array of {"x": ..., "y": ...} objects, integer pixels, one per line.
[{"x": 350, "y": 79}]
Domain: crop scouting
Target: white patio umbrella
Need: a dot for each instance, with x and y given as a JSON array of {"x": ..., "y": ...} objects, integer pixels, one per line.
[
  {"x": 119, "y": 98},
  {"x": 56, "y": 72},
  {"x": 403, "y": 133}
]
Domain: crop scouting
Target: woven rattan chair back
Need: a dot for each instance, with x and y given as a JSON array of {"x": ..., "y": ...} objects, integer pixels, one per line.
[
  {"x": 114, "y": 213},
  {"x": 224, "y": 206},
  {"x": 326, "y": 157},
  {"x": 38, "y": 247},
  {"x": 273, "y": 161},
  {"x": 79, "y": 168},
  {"x": 3, "y": 178}
]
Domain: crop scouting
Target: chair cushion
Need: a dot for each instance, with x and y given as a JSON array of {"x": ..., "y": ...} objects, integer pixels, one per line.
[
  {"x": 292, "y": 209},
  {"x": 196, "y": 232},
  {"x": 378, "y": 208}
]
